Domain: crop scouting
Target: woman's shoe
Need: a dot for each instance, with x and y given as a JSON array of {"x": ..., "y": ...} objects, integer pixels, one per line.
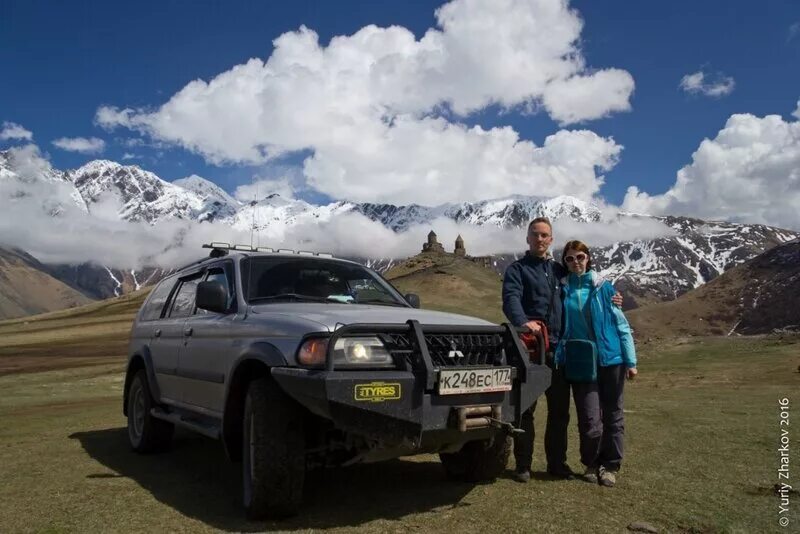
[{"x": 606, "y": 478}]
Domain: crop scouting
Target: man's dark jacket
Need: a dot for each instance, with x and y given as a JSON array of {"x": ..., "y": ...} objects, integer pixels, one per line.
[{"x": 532, "y": 290}]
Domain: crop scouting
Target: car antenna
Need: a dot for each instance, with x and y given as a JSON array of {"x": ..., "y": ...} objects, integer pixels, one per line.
[{"x": 255, "y": 202}]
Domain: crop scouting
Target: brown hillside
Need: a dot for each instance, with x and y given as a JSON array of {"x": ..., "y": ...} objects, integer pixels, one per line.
[
  {"x": 94, "y": 333},
  {"x": 27, "y": 288},
  {"x": 756, "y": 297},
  {"x": 450, "y": 283}
]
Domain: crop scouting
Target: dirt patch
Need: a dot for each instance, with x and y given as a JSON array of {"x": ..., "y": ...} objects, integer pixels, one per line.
[
  {"x": 10, "y": 365},
  {"x": 55, "y": 408}
]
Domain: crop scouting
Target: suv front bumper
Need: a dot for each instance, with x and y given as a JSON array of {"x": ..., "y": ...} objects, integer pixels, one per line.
[{"x": 402, "y": 407}]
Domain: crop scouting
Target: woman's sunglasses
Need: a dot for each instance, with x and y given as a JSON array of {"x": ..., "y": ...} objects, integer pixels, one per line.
[{"x": 579, "y": 257}]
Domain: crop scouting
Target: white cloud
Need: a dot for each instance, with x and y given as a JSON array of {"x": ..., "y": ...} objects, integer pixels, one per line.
[
  {"x": 700, "y": 82},
  {"x": 91, "y": 145},
  {"x": 41, "y": 216},
  {"x": 794, "y": 30},
  {"x": 488, "y": 239},
  {"x": 796, "y": 113},
  {"x": 128, "y": 155},
  {"x": 60, "y": 230},
  {"x": 583, "y": 98},
  {"x": 750, "y": 172},
  {"x": 352, "y": 234},
  {"x": 260, "y": 189},
  {"x": 109, "y": 117},
  {"x": 432, "y": 161},
  {"x": 370, "y": 107},
  {"x": 12, "y": 130}
]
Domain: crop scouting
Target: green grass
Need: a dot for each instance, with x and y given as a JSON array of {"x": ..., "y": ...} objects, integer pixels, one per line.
[{"x": 701, "y": 440}]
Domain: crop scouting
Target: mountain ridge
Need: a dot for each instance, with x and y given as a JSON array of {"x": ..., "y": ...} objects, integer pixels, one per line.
[{"x": 646, "y": 271}]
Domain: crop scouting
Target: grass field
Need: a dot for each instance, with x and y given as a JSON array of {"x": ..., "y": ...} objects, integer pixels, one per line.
[
  {"x": 701, "y": 434},
  {"x": 93, "y": 334}
]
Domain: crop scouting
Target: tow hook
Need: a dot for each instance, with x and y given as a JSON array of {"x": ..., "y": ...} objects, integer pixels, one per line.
[
  {"x": 507, "y": 427},
  {"x": 472, "y": 417}
]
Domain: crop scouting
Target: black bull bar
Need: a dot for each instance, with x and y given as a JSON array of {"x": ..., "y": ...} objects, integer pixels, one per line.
[{"x": 411, "y": 411}]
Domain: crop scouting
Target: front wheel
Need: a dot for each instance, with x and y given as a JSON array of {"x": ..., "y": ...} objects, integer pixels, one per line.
[
  {"x": 145, "y": 432},
  {"x": 478, "y": 461},
  {"x": 273, "y": 452}
]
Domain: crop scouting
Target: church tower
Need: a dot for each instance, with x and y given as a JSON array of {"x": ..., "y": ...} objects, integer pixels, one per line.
[{"x": 460, "y": 250}]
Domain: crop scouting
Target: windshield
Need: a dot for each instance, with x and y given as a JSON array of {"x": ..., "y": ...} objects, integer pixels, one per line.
[{"x": 276, "y": 279}]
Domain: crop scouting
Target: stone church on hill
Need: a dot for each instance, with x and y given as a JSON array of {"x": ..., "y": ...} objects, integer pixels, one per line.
[{"x": 432, "y": 245}]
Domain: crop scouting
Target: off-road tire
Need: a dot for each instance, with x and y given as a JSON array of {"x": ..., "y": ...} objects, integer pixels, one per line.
[
  {"x": 145, "y": 433},
  {"x": 478, "y": 461},
  {"x": 273, "y": 452}
]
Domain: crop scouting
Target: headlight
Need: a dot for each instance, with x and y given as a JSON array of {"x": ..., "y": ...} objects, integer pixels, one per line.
[
  {"x": 361, "y": 351},
  {"x": 365, "y": 351}
]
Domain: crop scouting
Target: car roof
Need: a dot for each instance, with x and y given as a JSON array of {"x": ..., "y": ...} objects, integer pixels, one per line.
[{"x": 242, "y": 254}]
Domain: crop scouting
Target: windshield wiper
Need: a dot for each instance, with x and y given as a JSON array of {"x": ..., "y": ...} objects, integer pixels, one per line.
[
  {"x": 296, "y": 296},
  {"x": 380, "y": 302}
]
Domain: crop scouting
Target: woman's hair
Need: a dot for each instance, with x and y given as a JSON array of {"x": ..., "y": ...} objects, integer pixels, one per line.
[{"x": 579, "y": 246}]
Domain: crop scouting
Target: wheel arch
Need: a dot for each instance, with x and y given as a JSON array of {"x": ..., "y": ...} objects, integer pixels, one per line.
[
  {"x": 254, "y": 363},
  {"x": 140, "y": 359}
]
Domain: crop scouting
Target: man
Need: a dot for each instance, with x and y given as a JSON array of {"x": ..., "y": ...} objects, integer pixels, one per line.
[{"x": 531, "y": 293}]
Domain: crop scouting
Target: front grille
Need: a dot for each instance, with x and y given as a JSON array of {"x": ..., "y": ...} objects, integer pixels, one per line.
[{"x": 453, "y": 350}]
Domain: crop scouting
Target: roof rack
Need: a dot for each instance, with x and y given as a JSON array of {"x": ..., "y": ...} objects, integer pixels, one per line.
[{"x": 220, "y": 248}]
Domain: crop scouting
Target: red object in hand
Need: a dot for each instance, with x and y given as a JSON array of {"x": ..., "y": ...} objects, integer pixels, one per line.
[{"x": 531, "y": 341}]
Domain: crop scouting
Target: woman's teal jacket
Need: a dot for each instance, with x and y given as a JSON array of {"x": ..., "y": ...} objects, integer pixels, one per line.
[{"x": 611, "y": 329}]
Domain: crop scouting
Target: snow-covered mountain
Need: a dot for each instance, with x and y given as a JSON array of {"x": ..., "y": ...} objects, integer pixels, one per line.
[
  {"x": 272, "y": 215},
  {"x": 143, "y": 196},
  {"x": 25, "y": 175},
  {"x": 649, "y": 270},
  {"x": 511, "y": 212},
  {"x": 665, "y": 268}
]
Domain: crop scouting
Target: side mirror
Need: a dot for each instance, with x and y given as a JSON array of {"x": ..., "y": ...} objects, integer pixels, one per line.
[
  {"x": 212, "y": 296},
  {"x": 413, "y": 299}
]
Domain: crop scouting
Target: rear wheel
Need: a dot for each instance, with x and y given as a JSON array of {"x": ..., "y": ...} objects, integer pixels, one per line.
[
  {"x": 273, "y": 452},
  {"x": 145, "y": 432},
  {"x": 478, "y": 461}
]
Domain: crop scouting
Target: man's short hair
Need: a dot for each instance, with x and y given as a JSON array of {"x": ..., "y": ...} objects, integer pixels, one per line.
[{"x": 540, "y": 220}]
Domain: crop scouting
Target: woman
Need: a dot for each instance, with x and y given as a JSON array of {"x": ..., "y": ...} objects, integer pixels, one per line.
[{"x": 597, "y": 351}]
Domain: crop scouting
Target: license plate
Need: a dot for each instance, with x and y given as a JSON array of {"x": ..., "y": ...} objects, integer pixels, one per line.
[{"x": 460, "y": 381}]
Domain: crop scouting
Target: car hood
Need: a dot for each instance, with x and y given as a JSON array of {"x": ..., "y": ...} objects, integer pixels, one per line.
[{"x": 331, "y": 314}]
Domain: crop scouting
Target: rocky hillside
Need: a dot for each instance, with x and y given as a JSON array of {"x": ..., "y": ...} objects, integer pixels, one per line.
[
  {"x": 99, "y": 282},
  {"x": 665, "y": 268},
  {"x": 27, "y": 287},
  {"x": 757, "y": 297}
]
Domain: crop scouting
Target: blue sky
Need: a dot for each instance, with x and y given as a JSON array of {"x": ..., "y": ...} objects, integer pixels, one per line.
[{"x": 61, "y": 61}]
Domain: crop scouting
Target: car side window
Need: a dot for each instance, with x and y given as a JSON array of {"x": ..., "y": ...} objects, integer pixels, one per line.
[
  {"x": 155, "y": 304},
  {"x": 183, "y": 303}
]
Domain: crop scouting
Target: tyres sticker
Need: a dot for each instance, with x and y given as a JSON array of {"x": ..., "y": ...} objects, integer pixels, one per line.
[{"x": 377, "y": 391}]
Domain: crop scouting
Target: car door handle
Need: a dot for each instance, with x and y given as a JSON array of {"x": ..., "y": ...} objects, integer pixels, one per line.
[
  {"x": 157, "y": 333},
  {"x": 188, "y": 331}
]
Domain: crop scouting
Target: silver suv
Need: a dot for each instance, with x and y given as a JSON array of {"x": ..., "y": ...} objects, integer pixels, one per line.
[{"x": 298, "y": 360}]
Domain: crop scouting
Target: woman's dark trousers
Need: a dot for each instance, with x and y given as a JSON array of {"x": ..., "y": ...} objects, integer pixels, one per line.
[{"x": 600, "y": 420}]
